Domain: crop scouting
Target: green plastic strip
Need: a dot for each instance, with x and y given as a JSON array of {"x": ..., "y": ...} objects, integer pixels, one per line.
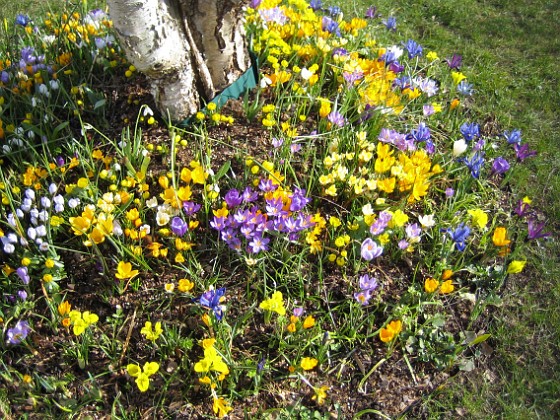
[{"x": 245, "y": 82}]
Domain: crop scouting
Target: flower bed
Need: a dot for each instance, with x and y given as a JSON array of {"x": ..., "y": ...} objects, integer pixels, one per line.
[{"x": 331, "y": 237}]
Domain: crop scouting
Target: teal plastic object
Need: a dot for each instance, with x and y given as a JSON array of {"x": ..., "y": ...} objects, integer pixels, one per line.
[{"x": 245, "y": 82}]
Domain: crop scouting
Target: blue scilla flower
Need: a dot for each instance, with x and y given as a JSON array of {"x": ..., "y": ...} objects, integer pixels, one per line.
[
  {"x": 465, "y": 88},
  {"x": 513, "y": 137},
  {"x": 334, "y": 10},
  {"x": 22, "y": 20},
  {"x": 459, "y": 235},
  {"x": 470, "y": 131},
  {"x": 474, "y": 163},
  {"x": 390, "y": 23},
  {"x": 330, "y": 25},
  {"x": 316, "y": 4},
  {"x": 414, "y": 49},
  {"x": 422, "y": 133}
]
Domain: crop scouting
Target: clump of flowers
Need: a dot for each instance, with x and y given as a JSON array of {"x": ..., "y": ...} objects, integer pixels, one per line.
[
  {"x": 151, "y": 332},
  {"x": 249, "y": 220},
  {"x": 211, "y": 362},
  {"x": 392, "y": 330},
  {"x": 142, "y": 374},
  {"x": 367, "y": 286},
  {"x": 81, "y": 321},
  {"x": 274, "y": 304}
]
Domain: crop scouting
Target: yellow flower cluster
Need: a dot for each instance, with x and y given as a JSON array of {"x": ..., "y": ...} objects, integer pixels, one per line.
[
  {"x": 81, "y": 320},
  {"x": 274, "y": 304},
  {"x": 142, "y": 375},
  {"x": 446, "y": 287},
  {"x": 300, "y": 31},
  {"x": 77, "y": 28},
  {"x": 151, "y": 332},
  {"x": 308, "y": 322},
  {"x": 96, "y": 221},
  {"x": 211, "y": 362},
  {"x": 389, "y": 333},
  {"x": 374, "y": 168}
]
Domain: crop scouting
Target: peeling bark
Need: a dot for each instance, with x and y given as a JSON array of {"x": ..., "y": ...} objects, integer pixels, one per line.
[{"x": 190, "y": 49}]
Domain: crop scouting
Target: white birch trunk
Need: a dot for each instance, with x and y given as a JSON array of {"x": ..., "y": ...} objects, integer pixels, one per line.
[{"x": 190, "y": 49}]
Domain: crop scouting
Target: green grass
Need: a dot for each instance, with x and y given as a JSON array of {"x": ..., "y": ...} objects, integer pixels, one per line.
[{"x": 512, "y": 49}]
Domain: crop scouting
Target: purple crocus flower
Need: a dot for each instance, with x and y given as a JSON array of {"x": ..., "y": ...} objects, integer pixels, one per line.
[
  {"x": 274, "y": 207},
  {"x": 430, "y": 147},
  {"x": 190, "y": 208},
  {"x": 341, "y": 52},
  {"x": 370, "y": 249},
  {"x": 479, "y": 145},
  {"x": 352, "y": 78},
  {"x": 367, "y": 285},
  {"x": 266, "y": 185},
  {"x": 367, "y": 282},
  {"x": 500, "y": 166},
  {"x": 261, "y": 364},
  {"x": 371, "y": 12},
  {"x": 254, "y": 4},
  {"x": 277, "y": 142},
  {"x": 449, "y": 192},
  {"x": 336, "y": 118},
  {"x": 298, "y": 312},
  {"x": 381, "y": 223},
  {"x": 233, "y": 198},
  {"x": 178, "y": 226},
  {"x": 413, "y": 231},
  {"x": 428, "y": 86},
  {"x": 522, "y": 209},
  {"x": 299, "y": 200},
  {"x": 455, "y": 61},
  {"x": 23, "y": 274},
  {"x": 522, "y": 151},
  {"x": 19, "y": 333},
  {"x": 212, "y": 299},
  {"x": 403, "y": 244},
  {"x": 22, "y": 294},
  {"x": 363, "y": 296},
  {"x": 218, "y": 223},
  {"x": 275, "y": 15},
  {"x": 249, "y": 195},
  {"x": 535, "y": 230},
  {"x": 295, "y": 147},
  {"x": 395, "y": 67},
  {"x": 258, "y": 244}
]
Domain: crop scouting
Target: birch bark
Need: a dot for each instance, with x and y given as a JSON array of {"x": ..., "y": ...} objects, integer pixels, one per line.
[{"x": 189, "y": 49}]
